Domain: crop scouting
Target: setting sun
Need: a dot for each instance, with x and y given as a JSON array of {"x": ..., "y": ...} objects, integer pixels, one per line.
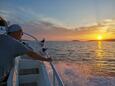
[{"x": 99, "y": 37}]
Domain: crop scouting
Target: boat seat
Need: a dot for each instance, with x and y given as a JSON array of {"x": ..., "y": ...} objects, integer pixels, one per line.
[
  {"x": 29, "y": 84},
  {"x": 29, "y": 71}
]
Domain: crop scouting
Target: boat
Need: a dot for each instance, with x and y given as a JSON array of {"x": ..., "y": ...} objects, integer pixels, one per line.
[{"x": 28, "y": 72}]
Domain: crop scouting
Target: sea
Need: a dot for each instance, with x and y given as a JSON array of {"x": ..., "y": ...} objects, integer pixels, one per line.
[{"x": 84, "y": 63}]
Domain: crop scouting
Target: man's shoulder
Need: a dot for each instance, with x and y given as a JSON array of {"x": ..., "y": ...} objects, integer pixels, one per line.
[
  {"x": 4, "y": 36},
  {"x": 8, "y": 39}
]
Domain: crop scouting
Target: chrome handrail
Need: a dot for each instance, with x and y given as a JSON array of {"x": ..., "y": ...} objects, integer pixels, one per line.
[{"x": 56, "y": 75}]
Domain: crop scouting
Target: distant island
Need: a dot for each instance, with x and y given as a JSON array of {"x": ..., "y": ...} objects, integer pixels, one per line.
[
  {"x": 113, "y": 40},
  {"x": 76, "y": 40}
]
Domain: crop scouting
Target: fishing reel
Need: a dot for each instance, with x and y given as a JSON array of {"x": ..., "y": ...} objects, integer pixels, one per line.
[{"x": 42, "y": 43}]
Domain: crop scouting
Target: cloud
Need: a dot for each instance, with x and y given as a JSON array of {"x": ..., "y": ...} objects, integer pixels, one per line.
[
  {"x": 24, "y": 15},
  {"x": 51, "y": 28},
  {"x": 35, "y": 17},
  {"x": 4, "y": 12},
  {"x": 48, "y": 30},
  {"x": 14, "y": 16},
  {"x": 107, "y": 25},
  {"x": 55, "y": 32}
]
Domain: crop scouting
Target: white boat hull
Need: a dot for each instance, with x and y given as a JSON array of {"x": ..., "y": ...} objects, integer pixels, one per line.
[{"x": 29, "y": 72}]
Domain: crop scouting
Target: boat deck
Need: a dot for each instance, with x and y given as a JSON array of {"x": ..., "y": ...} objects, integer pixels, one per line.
[{"x": 29, "y": 73}]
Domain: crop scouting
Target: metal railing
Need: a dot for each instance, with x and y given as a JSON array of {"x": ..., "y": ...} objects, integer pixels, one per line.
[
  {"x": 57, "y": 81},
  {"x": 56, "y": 76}
]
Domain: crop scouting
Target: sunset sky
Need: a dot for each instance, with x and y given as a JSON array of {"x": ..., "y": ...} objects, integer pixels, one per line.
[{"x": 62, "y": 19}]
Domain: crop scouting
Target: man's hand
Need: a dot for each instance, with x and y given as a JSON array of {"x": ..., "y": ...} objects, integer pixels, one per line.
[
  {"x": 49, "y": 59},
  {"x": 38, "y": 56}
]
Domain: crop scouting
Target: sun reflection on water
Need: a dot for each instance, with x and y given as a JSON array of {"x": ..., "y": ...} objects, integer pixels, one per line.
[
  {"x": 100, "y": 66},
  {"x": 100, "y": 52}
]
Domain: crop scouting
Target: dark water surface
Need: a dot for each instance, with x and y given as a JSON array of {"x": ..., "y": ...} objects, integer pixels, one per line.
[{"x": 84, "y": 63}]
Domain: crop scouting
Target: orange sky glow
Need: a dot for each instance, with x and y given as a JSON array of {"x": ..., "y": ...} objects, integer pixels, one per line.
[
  {"x": 102, "y": 31},
  {"x": 105, "y": 30}
]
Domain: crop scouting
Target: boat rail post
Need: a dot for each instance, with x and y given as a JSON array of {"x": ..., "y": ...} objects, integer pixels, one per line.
[
  {"x": 16, "y": 80},
  {"x": 57, "y": 76},
  {"x": 54, "y": 79},
  {"x": 55, "y": 73}
]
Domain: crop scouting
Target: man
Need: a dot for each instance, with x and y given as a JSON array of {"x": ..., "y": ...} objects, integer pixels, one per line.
[
  {"x": 16, "y": 32},
  {"x": 11, "y": 48}
]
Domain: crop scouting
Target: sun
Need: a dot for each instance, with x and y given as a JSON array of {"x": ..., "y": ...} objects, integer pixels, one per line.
[{"x": 99, "y": 37}]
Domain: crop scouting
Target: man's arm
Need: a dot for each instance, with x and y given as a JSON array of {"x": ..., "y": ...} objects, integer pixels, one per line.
[
  {"x": 20, "y": 49},
  {"x": 37, "y": 56}
]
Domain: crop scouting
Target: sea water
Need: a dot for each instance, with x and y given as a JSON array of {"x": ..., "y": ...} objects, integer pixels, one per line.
[{"x": 84, "y": 63}]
